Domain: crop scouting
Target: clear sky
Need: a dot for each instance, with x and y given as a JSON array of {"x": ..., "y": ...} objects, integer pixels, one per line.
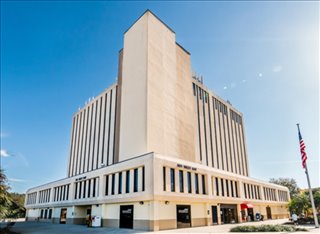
[{"x": 262, "y": 56}]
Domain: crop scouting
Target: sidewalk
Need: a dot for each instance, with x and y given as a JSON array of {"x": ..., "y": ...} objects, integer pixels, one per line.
[{"x": 48, "y": 228}]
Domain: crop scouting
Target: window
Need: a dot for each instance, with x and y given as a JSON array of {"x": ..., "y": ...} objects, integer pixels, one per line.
[
  {"x": 120, "y": 183},
  {"x": 181, "y": 181},
  {"x": 80, "y": 189},
  {"x": 231, "y": 187},
  {"x": 203, "y": 184},
  {"x": 236, "y": 187},
  {"x": 45, "y": 213},
  {"x": 84, "y": 189},
  {"x": 76, "y": 191},
  {"x": 50, "y": 214},
  {"x": 222, "y": 187},
  {"x": 127, "y": 181},
  {"x": 94, "y": 187},
  {"x": 143, "y": 179},
  {"x": 196, "y": 176},
  {"x": 135, "y": 180},
  {"x": 217, "y": 186},
  {"x": 41, "y": 214},
  {"x": 89, "y": 188},
  {"x": 164, "y": 178},
  {"x": 227, "y": 188},
  {"x": 172, "y": 180},
  {"x": 189, "y": 182},
  {"x": 107, "y": 185},
  {"x": 113, "y": 183}
]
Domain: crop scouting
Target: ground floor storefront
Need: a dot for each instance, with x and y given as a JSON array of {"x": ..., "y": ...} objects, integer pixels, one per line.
[{"x": 157, "y": 215}]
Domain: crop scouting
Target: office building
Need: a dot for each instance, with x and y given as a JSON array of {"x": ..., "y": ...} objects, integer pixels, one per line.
[{"x": 157, "y": 150}]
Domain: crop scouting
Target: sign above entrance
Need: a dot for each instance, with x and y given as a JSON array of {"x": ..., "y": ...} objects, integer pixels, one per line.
[{"x": 186, "y": 167}]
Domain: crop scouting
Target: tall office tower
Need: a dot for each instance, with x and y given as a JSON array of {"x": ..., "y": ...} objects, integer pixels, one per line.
[{"x": 157, "y": 150}]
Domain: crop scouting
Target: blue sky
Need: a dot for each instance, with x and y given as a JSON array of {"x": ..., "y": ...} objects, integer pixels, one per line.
[{"x": 262, "y": 56}]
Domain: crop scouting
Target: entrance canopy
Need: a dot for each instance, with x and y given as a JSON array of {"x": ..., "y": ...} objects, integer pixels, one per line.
[{"x": 245, "y": 206}]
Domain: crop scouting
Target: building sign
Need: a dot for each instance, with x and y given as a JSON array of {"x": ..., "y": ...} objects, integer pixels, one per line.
[
  {"x": 186, "y": 167},
  {"x": 81, "y": 178},
  {"x": 128, "y": 211}
]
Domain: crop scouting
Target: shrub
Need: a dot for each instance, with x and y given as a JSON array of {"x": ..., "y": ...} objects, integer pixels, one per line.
[{"x": 266, "y": 228}]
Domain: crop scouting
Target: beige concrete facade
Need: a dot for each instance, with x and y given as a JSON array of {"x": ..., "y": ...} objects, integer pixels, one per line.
[{"x": 157, "y": 150}]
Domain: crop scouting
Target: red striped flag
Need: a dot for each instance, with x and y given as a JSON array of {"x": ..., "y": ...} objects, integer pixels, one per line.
[{"x": 304, "y": 156}]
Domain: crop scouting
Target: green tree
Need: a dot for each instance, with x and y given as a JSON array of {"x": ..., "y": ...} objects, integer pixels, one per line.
[
  {"x": 11, "y": 204},
  {"x": 290, "y": 183},
  {"x": 5, "y": 199},
  {"x": 299, "y": 204}
]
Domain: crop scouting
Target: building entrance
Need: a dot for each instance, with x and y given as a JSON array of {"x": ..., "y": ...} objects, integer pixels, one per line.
[
  {"x": 126, "y": 216},
  {"x": 269, "y": 215},
  {"x": 214, "y": 214},
  {"x": 250, "y": 214},
  {"x": 228, "y": 213},
  {"x": 63, "y": 216},
  {"x": 183, "y": 216}
]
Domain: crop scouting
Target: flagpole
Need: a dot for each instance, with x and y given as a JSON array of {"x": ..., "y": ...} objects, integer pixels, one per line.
[{"x": 310, "y": 193}]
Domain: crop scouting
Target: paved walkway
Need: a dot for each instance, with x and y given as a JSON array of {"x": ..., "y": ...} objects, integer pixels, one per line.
[{"x": 48, "y": 228}]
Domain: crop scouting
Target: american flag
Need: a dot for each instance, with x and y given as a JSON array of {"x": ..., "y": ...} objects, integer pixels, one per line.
[{"x": 304, "y": 156}]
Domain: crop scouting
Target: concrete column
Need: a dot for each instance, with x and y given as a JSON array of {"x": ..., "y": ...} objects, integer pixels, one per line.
[
  {"x": 131, "y": 181},
  {"x": 185, "y": 181},
  {"x": 123, "y": 182},
  {"x": 241, "y": 192},
  {"x": 110, "y": 184},
  {"x": 193, "y": 183},
  {"x": 102, "y": 186},
  {"x": 116, "y": 183},
  {"x": 176, "y": 180},
  {"x": 219, "y": 214},
  {"x": 239, "y": 213},
  {"x": 91, "y": 188},
  {"x": 168, "y": 179}
]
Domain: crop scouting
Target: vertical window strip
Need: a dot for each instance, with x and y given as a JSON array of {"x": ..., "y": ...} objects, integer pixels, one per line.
[
  {"x": 83, "y": 114},
  {"x": 181, "y": 181},
  {"x": 135, "y": 180},
  {"x": 109, "y": 124},
  {"x": 203, "y": 179},
  {"x": 128, "y": 181},
  {"x": 205, "y": 128},
  {"x": 172, "y": 180},
  {"x": 78, "y": 143},
  {"x": 164, "y": 178},
  {"x": 199, "y": 130},
  {"x": 220, "y": 137},
  {"x": 196, "y": 183},
  {"x": 222, "y": 187},
  {"x": 214, "y": 106},
  {"x": 143, "y": 179},
  {"x": 104, "y": 126},
  {"x": 94, "y": 134},
  {"x": 189, "y": 182},
  {"x": 114, "y": 124},
  {"x": 217, "y": 186},
  {"x": 113, "y": 184},
  {"x": 90, "y": 136},
  {"x": 120, "y": 183},
  {"x": 99, "y": 132},
  {"x": 225, "y": 139},
  {"x": 210, "y": 130},
  {"x": 86, "y": 142},
  {"x": 107, "y": 186},
  {"x": 229, "y": 138}
]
